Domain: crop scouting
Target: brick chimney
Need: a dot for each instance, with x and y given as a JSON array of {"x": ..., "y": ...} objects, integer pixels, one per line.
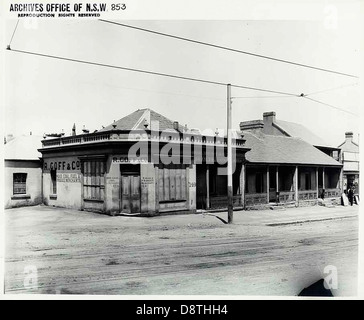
[
  {"x": 349, "y": 136},
  {"x": 176, "y": 125},
  {"x": 269, "y": 117}
]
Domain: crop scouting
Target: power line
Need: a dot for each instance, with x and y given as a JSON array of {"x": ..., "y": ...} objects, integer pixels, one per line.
[
  {"x": 331, "y": 106},
  {"x": 331, "y": 89},
  {"x": 285, "y": 94},
  {"x": 16, "y": 26},
  {"x": 146, "y": 72},
  {"x": 229, "y": 49},
  {"x": 264, "y": 97},
  {"x": 161, "y": 92}
]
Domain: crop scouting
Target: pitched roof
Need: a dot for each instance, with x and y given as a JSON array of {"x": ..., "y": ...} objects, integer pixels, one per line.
[
  {"x": 23, "y": 148},
  {"x": 299, "y": 131},
  {"x": 137, "y": 119},
  {"x": 284, "y": 150},
  {"x": 349, "y": 146}
]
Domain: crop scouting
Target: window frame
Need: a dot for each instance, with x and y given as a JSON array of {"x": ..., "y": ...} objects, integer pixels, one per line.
[{"x": 20, "y": 174}]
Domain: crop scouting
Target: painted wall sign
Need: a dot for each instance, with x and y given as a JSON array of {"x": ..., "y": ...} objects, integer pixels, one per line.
[
  {"x": 145, "y": 181},
  {"x": 62, "y": 165},
  {"x": 125, "y": 159},
  {"x": 68, "y": 177}
]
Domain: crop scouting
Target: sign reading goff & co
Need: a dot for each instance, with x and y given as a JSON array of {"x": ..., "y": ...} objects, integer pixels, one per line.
[{"x": 62, "y": 165}]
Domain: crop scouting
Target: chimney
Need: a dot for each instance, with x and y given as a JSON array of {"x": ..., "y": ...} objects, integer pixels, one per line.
[
  {"x": 74, "y": 130},
  {"x": 269, "y": 117},
  {"x": 256, "y": 127},
  {"x": 175, "y": 125},
  {"x": 349, "y": 136}
]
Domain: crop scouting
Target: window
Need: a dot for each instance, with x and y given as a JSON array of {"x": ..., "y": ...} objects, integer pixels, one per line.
[
  {"x": 54, "y": 181},
  {"x": 19, "y": 183},
  {"x": 93, "y": 180},
  {"x": 172, "y": 182}
]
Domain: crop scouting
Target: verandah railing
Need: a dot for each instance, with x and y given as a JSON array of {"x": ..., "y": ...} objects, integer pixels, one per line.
[
  {"x": 135, "y": 135},
  {"x": 307, "y": 195},
  {"x": 332, "y": 193}
]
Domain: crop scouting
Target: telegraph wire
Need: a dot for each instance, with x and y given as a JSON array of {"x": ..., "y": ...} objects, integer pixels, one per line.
[
  {"x": 264, "y": 97},
  {"x": 146, "y": 71},
  {"x": 331, "y": 89},
  {"x": 228, "y": 49},
  {"x": 285, "y": 94},
  {"x": 16, "y": 26},
  {"x": 331, "y": 106},
  {"x": 160, "y": 92}
]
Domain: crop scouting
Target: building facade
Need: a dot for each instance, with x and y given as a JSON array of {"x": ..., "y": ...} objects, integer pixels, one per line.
[
  {"x": 285, "y": 169},
  {"x": 146, "y": 164},
  {"x": 143, "y": 164},
  {"x": 23, "y": 172},
  {"x": 350, "y": 160}
]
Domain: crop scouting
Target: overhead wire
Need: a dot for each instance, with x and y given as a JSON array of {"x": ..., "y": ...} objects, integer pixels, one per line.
[
  {"x": 146, "y": 71},
  {"x": 331, "y": 106},
  {"x": 285, "y": 94},
  {"x": 228, "y": 48},
  {"x": 12, "y": 37},
  {"x": 331, "y": 89}
]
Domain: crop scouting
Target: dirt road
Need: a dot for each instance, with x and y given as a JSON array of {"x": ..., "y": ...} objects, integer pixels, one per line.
[{"x": 262, "y": 253}]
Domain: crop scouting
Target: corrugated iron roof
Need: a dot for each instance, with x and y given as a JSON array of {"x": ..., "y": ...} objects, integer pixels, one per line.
[
  {"x": 284, "y": 150},
  {"x": 23, "y": 148}
]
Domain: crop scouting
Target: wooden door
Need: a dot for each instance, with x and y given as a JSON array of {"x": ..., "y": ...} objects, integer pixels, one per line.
[{"x": 130, "y": 193}]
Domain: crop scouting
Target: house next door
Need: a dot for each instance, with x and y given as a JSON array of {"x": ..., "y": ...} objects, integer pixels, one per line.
[{"x": 130, "y": 193}]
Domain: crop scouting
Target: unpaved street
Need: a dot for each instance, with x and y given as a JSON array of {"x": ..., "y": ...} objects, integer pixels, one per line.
[{"x": 272, "y": 252}]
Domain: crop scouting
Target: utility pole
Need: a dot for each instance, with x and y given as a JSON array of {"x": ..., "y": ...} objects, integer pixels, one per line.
[{"x": 229, "y": 157}]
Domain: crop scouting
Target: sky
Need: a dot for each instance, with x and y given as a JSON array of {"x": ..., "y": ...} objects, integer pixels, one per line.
[{"x": 47, "y": 96}]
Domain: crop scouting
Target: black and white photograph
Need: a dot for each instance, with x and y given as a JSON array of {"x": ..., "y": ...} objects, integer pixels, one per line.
[{"x": 181, "y": 150}]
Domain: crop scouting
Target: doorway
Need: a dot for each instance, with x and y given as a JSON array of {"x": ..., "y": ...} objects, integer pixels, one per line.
[{"x": 130, "y": 189}]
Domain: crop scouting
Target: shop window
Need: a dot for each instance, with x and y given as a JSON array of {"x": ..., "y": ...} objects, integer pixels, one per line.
[
  {"x": 93, "y": 180},
  {"x": 19, "y": 183},
  {"x": 54, "y": 181},
  {"x": 172, "y": 183}
]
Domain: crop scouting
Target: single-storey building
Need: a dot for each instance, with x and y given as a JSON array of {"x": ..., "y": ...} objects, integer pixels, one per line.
[
  {"x": 282, "y": 169},
  {"x": 23, "y": 171},
  {"x": 350, "y": 159},
  {"x": 142, "y": 164},
  {"x": 278, "y": 127}
]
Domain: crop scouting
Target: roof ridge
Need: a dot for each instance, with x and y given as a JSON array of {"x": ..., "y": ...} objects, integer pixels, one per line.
[{"x": 142, "y": 117}]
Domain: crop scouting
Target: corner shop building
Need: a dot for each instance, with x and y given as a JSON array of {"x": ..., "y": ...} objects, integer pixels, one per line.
[{"x": 170, "y": 168}]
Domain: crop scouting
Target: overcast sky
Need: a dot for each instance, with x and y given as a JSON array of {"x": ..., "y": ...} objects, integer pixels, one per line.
[{"x": 45, "y": 95}]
